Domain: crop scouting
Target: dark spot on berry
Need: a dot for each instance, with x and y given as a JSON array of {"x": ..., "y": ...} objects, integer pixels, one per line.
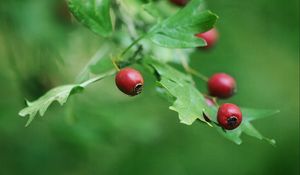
[
  {"x": 232, "y": 121},
  {"x": 138, "y": 88}
]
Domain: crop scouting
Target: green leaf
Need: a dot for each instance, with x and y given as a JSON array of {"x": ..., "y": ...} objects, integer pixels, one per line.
[
  {"x": 94, "y": 14},
  {"x": 178, "y": 31},
  {"x": 189, "y": 102},
  {"x": 152, "y": 10},
  {"x": 254, "y": 114},
  {"x": 233, "y": 135},
  {"x": 59, "y": 94},
  {"x": 167, "y": 71}
]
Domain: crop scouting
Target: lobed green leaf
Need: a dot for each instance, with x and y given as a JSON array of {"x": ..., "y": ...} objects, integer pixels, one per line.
[
  {"x": 189, "y": 102},
  {"x": 59, "y": 94},
  {"x": 94, "y": 14},
  {"x": 178, "y": 31}
]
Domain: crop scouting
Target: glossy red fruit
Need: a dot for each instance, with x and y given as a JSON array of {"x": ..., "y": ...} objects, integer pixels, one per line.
[
  {"x": 129, "y": 81},
  {"x": 179, "y": 2},
  {"x": 210, "y": 37},
  {"x": 221, "y": 85},
  {"x": 229, "y": 116}
]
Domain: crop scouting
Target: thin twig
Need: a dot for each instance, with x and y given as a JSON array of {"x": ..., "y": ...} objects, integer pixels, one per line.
[
  {"x": 97, "y": 78},
  {"x": 113, "y": 60},
  {"x": 192, "y": 71},
  {"x": 131, "y": 45}
]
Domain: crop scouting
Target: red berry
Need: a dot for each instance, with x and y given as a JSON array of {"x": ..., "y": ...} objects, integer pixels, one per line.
[
  {"x": 129, "y": 81},
  {"x": 179, "y": 2},
  {"x": 229, "y": 116},
  {"x": 221, "y": 85},
  {"x": 210, "y": 37}
]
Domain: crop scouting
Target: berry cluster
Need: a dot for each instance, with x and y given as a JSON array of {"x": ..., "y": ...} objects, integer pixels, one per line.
[
  {"x": 220, "y": 85},
  {"x": 223, "y": 86}
]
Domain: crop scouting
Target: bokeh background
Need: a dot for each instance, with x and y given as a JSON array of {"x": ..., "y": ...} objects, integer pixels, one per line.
[{"x": 101, "y": 131}]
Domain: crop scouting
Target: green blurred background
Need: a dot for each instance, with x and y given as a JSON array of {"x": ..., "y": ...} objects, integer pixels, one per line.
[{"x": 101, "y": 131}]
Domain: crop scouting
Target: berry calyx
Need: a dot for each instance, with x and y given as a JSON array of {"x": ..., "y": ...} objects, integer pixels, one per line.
[
  {"x": 229, "y": 116},
  {"x": 221, "y": 85},
  {"x": 129, "y": 81},
  {"x": 179, "y": 2},
  {"x": 210, "y": 37}
]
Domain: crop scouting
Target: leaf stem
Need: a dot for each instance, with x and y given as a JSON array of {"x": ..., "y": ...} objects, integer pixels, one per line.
[
  {"x": 132, "y": 44},
  {"x": 192, "y": 71},
  {"x": 198, "y": 74},
  {"x": 215, "y": 100},
  {"x": 136, "y": 53},
  {"x": 113, "y": 60},
  {"x": 97, "y": 78}
]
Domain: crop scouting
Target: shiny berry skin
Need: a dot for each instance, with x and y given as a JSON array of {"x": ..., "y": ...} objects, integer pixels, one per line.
[
  {"x": 229, "y": 116},
  {"x": 179, "y": 2},
  {"x": 221, "y": 85},
  {"x": 129, "y": 81},
  {"x": 210, "y": 37}
]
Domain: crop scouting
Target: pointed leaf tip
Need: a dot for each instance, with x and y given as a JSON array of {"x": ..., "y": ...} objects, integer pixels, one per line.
[{"x": 40, "y": 106}]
